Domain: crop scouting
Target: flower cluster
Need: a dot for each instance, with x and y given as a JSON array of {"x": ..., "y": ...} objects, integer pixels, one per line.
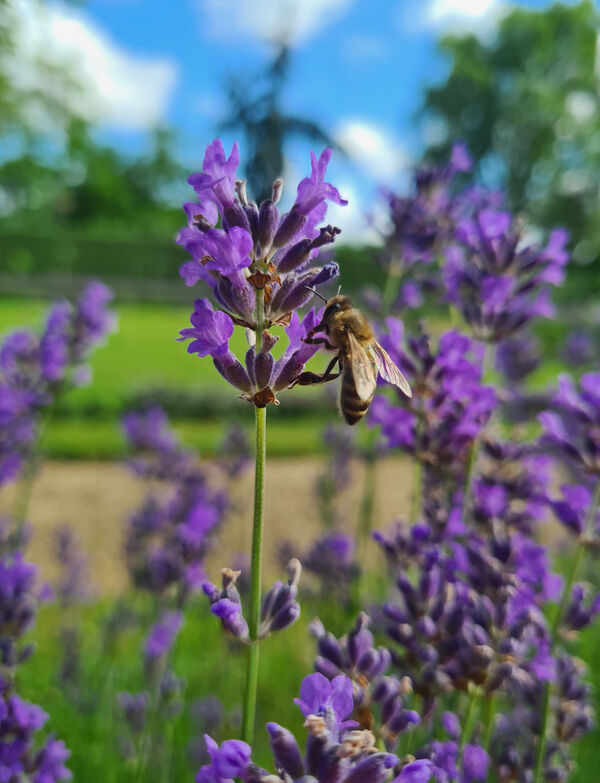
[
  {"x": 170, "y": 534},
  {"x": 572, "y": 429},
  {"x": 335, "y": 749},
  {"x": 420, "y": 225},
  {"x": 497, "y": 284},
  {"x": 279, "y": 607},
  {"x": 258, "y": 266},
  {"x": 35, "y": 369},
  {"x": 20, "y": 754},
  {"x": 448, "y": 410}
]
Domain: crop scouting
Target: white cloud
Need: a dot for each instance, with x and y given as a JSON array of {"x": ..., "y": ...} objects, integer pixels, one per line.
[
  {"x": 373, "y": 149},
  {"x": 106, "y": 83},
  {"x": 453, "y": 16},
  {"x": 293, "y": 21},
  {"x": 355, "y": 224}
]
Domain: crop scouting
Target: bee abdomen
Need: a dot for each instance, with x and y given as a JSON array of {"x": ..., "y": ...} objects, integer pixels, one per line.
[{"x": 351, "y": 406}]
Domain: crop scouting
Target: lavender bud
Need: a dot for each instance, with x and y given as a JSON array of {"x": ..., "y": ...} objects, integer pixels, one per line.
[
  {"x": 299, "y": 295},
  {"x": 250, "y": 360},
  {"x": 228, "y": 580},
  {"x": 386, "y": 688},
  {"x": 287, "y": 286},
  {"x": 268, "y": 601},
  {"x": 251, "y": 211},
  {"x": 294, "y": 569},
  {"x": 234, "y": 373},
  {"x": 295, "y": 256},
  {"x": 234, "y": 215},
  {"x": 285, "y": 750},
  {"x": 403, "y": 720},
  {"x": 276, "y": 190},
  {"x": 268, "y": 220},
  {"x": 263, "y": 367},
  {"x": 325, "y": 274},
  {"x": 326, "y": 668},
  {"x": 372, "y": 769},
  {"x": 230, "y": 614},
  {"x": 285, "y": 617},
  {"x": 289, "y": 227}
]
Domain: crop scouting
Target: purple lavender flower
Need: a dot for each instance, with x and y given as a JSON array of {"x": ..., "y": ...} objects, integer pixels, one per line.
[
  {"x": 572, "y": 429},
  {"x": 258, "y": 266},
  {"x": 229, "y": 761},
  {"x": 331, "y": 699},
  {"x": 171, "y": 532},
  {"x": 517, "y": 357},
  {"x": 578, "y": 349},
  {"x": 333, "y": 750},
  {"x": 448, "y": 411},
  {"x": 34, "y": 370},
  {"x": 20, "y": 753},
  {"x": 498, "y": 285},
  {"x": 162, "y": 635},
  {"x": 279, "y": 607}
]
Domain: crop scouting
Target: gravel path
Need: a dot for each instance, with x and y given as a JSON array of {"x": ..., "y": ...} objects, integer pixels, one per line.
[{"x": 96, "y": 497}]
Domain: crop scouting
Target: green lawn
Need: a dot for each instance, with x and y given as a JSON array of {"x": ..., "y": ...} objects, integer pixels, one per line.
[{"x": 143, "y": 360}]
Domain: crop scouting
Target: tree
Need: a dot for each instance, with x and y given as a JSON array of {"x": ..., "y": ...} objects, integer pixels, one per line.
[
  {"x": 527, "y": 105},
  {"x": 256, "y": 109}
]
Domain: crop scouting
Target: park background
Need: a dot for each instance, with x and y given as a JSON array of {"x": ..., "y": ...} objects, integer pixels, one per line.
[{"x": 106, "y": 108}]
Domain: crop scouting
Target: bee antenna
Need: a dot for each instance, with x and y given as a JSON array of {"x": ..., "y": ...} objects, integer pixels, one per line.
[{"x": 316, "y": 292}]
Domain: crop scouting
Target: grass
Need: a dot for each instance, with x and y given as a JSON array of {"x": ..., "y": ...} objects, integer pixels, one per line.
[
  {"x": 142, "y": 360},
  {"x": 92, "y": 439},
  {"x": 87, "y": 717}
]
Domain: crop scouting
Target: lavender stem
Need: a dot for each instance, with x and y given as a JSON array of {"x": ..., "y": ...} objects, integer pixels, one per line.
[{"x": 257, "y": 553}]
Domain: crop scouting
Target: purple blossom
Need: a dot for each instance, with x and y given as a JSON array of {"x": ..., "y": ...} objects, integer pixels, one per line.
[
  {"x": 256, "y": 250},
  {"x": 572, "y": 429},
  {"x": 498, "y": 285},
  {"x": 162, "y": 635},
  {"x": 210, "y": 331},
  {"x": 475, "y": 763},
  {"x": 229, "y": 761},
  {"x": 331, "y": 699}
]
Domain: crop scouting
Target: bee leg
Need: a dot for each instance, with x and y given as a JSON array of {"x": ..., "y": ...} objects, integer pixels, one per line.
[
  {"x": 318, "y": 328},
  {"x": 318, "y": 341},
  {"x": 311, "y": 378}
]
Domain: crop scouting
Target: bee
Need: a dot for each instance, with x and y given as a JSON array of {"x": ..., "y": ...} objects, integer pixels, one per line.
[{"x": 359, "y": 356}]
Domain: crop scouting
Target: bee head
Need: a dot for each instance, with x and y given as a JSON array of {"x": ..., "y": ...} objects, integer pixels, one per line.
[{"x": 336, "y": 304}]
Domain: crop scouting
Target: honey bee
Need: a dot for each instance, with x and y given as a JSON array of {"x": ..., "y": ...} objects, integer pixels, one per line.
[{"x": 360, "y": 358}]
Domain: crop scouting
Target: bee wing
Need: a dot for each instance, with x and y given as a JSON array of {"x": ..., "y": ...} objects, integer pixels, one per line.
[
  {"x": 388, "y": 370},
  {"x": 363, "y": 371}
]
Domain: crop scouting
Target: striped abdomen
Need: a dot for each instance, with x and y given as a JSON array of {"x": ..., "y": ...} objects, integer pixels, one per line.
[{"x": 351, "y": 406}]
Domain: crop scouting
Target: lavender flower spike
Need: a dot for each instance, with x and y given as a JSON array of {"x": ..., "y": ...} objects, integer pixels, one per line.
[{"x": 258, "y": 267}]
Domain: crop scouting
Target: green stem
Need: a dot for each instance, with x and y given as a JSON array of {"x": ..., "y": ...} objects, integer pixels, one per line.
[
  {"x": 490, "y": 711},
  {"x": 470, "y": 717},
  {"x": 255, "y": 577},
  {"x": 558, "y": 617},
  {"x": 249, "y": 714}
]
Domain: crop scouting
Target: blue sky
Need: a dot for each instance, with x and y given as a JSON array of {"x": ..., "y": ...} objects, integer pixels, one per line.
[{"x": 359, "y": 69}]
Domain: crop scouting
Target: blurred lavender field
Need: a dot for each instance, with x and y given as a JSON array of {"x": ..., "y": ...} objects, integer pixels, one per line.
[{"x": 206, "y": 573}]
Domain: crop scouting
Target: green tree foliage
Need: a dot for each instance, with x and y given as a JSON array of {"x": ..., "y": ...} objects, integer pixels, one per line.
[{"x": 527, "y": 104}]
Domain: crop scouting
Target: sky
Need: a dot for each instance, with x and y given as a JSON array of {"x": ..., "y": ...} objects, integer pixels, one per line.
[{"x": 359, "y": 69}]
